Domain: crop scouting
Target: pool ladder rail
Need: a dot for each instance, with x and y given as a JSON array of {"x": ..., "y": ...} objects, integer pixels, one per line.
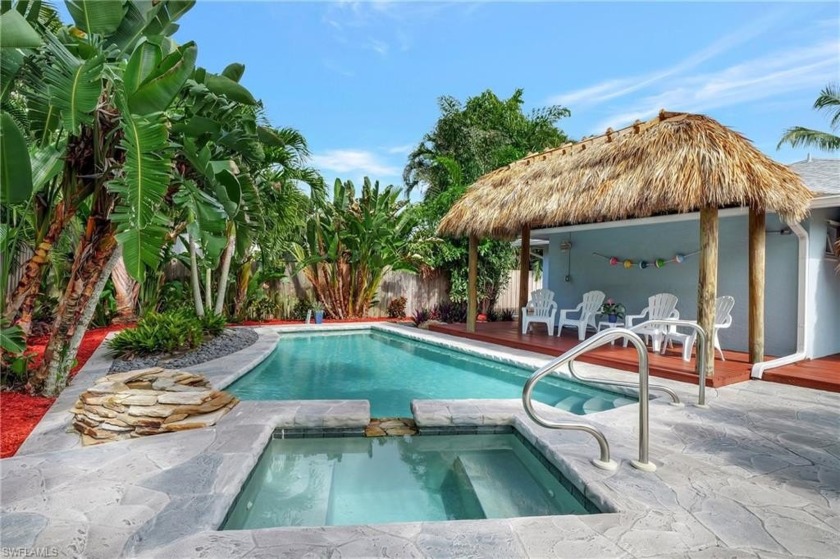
[{"x": 599, "y": 339}]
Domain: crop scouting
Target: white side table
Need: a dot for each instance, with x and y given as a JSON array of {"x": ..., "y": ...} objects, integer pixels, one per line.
[{"x": 606, "y": 324}]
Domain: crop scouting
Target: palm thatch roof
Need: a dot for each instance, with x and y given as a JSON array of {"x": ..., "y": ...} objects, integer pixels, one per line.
[{"x": 674, "y": 163}]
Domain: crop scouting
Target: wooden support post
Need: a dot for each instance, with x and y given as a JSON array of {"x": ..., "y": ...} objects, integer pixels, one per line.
[
  {"x": 472, "y": 295},
  {"x": 757, "y": 251},
  {"x": 524, "y": 275},
  {"x": 707, "y": 284}
]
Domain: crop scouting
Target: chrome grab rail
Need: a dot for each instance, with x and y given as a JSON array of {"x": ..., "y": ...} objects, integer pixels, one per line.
[
  {"x": 701, "y": 351},
  {"x": 599, "y": 339},
  {"x": 587, "y": 380}
]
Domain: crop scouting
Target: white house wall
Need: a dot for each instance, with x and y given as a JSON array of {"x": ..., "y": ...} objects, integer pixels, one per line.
[
  {"x": 824, "y": 290},
  {"x": 633, "y": 286}
]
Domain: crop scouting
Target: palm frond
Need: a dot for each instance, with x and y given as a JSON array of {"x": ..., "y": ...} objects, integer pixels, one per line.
[
  {"x": 829, "y": 100},
  {"x": 800, "y": 136}
]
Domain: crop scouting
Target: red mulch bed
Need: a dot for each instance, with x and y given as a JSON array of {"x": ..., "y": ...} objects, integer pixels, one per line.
[{"x": 20, "y": 413}]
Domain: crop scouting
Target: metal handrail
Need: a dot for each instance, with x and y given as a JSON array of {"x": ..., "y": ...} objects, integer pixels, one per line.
[
  {"x": 587, "y": 380},
  {"x": 701, "y": 352},
  {"x": 599, "y": 339}
]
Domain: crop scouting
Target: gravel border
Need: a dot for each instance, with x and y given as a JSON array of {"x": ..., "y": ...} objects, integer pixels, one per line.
[{"x": 229, "y": 341}]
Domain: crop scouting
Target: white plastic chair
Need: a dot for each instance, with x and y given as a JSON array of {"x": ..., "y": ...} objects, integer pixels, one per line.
[
  {"x": 723, "y": 319},
  {"x": 588, "y": 308},
  {"x": 660, "y": 307},
  {"x": 542, "y": 310}
]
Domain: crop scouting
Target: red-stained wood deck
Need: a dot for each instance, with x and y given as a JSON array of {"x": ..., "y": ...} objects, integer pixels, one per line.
[{"x": 823, "y": 374}]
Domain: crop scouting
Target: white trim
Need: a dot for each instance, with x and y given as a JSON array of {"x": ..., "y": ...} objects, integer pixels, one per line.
[
  {"x": 830, "y": 201},
  {"x": 803, "y": 314},
  {"x": 726, "y": 212}
]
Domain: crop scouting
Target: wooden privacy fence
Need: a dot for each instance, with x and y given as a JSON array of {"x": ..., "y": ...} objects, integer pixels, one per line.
[{"x": 509, "y": 298}]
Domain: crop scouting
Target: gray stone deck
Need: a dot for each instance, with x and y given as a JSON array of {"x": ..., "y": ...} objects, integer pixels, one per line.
[{"x": 756, "y": 475}]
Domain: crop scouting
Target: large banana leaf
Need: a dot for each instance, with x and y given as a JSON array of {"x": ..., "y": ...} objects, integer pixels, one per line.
[
  {"x": 147, "y": 173},
  {"x": 228, "y": 191},
  {"x": 96, "y": 16},
  {"x": 15, "y": 32},
  {"x": 164, "y": 81},
  {"x": 12, "y": 339},
  {"x": 234, "y": 71},
  {"x": 73, "y": 86},
  {"x": 11, "y": 61},
  {"x": 15, "y": 168},
  {"x": 47, "y": 163},
  {"x": 163, "y": 22},
  {"x": 222, "y": 85},
  {"x": 142, "y": 62}
]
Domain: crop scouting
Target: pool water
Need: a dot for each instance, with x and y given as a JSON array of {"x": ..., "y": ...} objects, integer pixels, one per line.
[
  {"x": 357, "y": 480},
  {"x": 390, "y": 371}
]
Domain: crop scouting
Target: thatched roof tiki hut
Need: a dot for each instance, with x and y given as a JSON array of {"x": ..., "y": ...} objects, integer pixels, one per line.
[{"x": 674, "y": 163}]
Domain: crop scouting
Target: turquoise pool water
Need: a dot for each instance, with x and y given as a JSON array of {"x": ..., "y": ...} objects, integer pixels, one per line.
[
  {"x": 356, "y": 480},
  {"x": 390, "y": 371}
]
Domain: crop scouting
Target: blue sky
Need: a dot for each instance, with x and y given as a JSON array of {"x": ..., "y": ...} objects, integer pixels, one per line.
[{"x": 361, "y": 79}]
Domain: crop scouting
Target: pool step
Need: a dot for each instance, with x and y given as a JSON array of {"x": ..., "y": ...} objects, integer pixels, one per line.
[
  {"x": 502, "y": 485},
  {"x": 571, "y": 403},
  {"x": 296, "y": 495},
  {"x": 597, "y": 404}
]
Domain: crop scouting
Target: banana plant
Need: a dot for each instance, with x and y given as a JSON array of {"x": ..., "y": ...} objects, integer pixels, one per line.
[
  {"x": 352, "y": 241},
  {"x": 97, "y": 93}
]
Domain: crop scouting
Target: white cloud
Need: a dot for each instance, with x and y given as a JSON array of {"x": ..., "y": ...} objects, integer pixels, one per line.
[
  {"x": 768, "y": 76},
  {"x": 401, "y": 150},
  {"x": 355, "y": 162},
  {"x": 620, "y": 87},
  {"x": 380, "y": 47}
]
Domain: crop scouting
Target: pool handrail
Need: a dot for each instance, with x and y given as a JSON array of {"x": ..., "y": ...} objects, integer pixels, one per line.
[
  {"x": 604, "y": 462},
  {"x": 675, "y": 399},
  {"x": 701, "y": 353}
]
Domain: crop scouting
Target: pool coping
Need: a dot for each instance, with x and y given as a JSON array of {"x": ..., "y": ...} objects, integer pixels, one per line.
[{"x": 166, "y": 495}]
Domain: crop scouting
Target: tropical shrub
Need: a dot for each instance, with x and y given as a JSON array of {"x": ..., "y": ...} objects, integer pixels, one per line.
[
  {"x": 451, "y": 311},
  {"x": 167, "y": 332},
  {"x": 420, "y": 316},
  {"x": 352, "y": 240},
  {"x": 13, "y": 360},
  {"x": 493, "y": 315},
  {"x": 396, "y": 308},
  {"x": 506, "y": 315},
  {"x": 213, "y": 324}
]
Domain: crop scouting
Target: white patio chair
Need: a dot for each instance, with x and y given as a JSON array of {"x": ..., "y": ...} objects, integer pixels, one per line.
[
  {"x": 660, "y": 307},
  {"x": 542, "y": 310},
  {"x": 588, "y": 308},
  {"x": 723, "y": 319}
]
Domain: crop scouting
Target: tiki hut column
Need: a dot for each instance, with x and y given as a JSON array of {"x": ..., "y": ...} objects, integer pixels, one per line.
[
  {"x": 524, "y": 265},
  {"x": 757, "y": 245},
  {"x": 472, "y": 296},
  {"x": 707, "y": 284}
]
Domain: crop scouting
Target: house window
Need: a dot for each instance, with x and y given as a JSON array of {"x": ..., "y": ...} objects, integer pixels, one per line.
[{"x": 832, "y": 235}]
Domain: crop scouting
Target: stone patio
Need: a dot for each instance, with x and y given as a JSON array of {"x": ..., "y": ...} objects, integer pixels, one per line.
[{"x": 756, "y": 475}]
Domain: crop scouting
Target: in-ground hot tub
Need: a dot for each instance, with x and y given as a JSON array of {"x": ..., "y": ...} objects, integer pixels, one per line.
[{"x": 357, "y": 480}]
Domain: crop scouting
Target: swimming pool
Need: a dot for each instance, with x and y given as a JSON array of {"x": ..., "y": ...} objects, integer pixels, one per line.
[
  {"x": 357, "y": 480},
  {"x": 390, "y": 370}
]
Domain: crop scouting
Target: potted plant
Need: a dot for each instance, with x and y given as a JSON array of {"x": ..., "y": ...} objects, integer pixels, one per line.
[
  {"x": 318, "y": 310},
  {"x": 613, "y": 310}
]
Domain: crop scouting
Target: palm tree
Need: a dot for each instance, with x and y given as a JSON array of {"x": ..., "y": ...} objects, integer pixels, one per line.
[{"x": 829, "y": 100}]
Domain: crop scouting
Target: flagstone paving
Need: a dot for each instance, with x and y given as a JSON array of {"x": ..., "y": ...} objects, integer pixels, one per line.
[{"x": 755, "y": 475}]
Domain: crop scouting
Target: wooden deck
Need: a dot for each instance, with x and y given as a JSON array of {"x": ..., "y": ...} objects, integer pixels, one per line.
[{"x": 821, "y": 374}]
